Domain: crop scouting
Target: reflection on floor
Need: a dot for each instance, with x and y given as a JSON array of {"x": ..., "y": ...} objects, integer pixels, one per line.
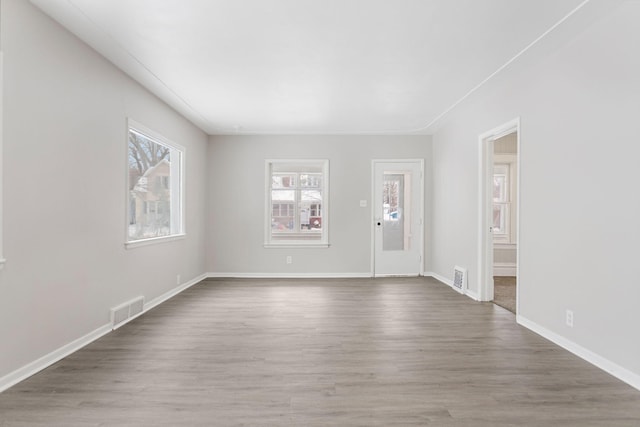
[{"x": 504, "y": 292}]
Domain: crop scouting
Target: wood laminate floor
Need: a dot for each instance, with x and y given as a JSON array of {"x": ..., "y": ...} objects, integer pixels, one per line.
[{"x": 357, "y": 352}]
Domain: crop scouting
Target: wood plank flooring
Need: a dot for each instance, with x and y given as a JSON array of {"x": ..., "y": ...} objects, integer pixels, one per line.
[{"x": 357, "y": 352}]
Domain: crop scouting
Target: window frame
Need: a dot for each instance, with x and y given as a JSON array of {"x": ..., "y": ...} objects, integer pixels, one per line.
[
  {"x": 179, "y": 206},
  {"x": 509, "y": 162},
  {"x": 323, "y": 165}
]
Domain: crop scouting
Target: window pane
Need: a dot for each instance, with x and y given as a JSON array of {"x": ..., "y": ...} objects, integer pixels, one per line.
[
  {"x": 499, "y": 218},
  {"x": 499, "y": 188},
  {"x": 501, "y": 183},
  {"x": 154, "y": 188},
  {"x": 310, "y": 216},
  {"x": 393, "y": 238},
  {"x": 283, "y": 181},
  {"x": 391, "y": 197},
  {"x": 311, "y": 196},
  {"x": 316, "y": 217},
  {"x": 311, "y": 180},
  {"x": 282, "y": 218},
  {"x": 283, "y": 195}
]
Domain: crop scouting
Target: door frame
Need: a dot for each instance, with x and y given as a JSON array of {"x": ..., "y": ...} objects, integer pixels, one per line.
[
  {"x": 373, "y": 213},
  {"x": 485, "y": 205},
  {"x": 2, "y": 260}
]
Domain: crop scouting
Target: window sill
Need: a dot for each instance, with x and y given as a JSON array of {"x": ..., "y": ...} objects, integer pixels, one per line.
[
  {"x": 153, "y": 241},
  {"x": 296, "y": 245}
]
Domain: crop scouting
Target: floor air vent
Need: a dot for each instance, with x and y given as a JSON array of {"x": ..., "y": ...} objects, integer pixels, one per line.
[
  {"x": 126, "y": 311},
  {"x": 459, "y": 279}
]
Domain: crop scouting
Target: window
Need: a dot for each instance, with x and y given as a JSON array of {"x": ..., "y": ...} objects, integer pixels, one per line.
[
  {"x": 154, "y": 186},
  {"x": 391, "y": 197},
  {"x": 503, "y": 198},
  {"x": 297, "y": 198}
]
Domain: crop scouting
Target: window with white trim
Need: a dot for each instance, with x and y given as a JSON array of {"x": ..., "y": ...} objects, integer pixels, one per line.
[
  {"x": 297, "y": 195},
  {"x": 154, "y": 186},
  {"x": 504, "y": 188}
]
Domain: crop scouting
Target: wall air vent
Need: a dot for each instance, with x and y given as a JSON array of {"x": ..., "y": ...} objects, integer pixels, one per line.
[
  {"x": 126, "y": 312},
  {"x": 460, "y": 279}
]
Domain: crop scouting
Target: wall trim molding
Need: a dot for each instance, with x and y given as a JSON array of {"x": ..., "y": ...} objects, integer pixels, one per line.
[
  {"x": 173, "y": 292},
  {"x": 502, "y": 67},
  {"x": 439, "y": 278},
  {"x": 20, "y": 374},
  {"x": 505, "y": 269},
  {"x": 396, "y": 275},
  {"x": 47, "y": 360},
  {"x": 471, "y": 294},
  {"x": 606, "y": 365},
  {"x": 212, "y": 275}
]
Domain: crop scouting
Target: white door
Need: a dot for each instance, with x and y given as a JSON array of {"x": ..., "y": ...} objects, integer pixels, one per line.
[{"x": 398, "y": 207}]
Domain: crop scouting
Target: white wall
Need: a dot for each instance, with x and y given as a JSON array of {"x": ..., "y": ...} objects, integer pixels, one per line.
[
  {"x": 65, "y": 111},
  {"x": 577, "y": 94},
  {"x": 236, "y": 198}
]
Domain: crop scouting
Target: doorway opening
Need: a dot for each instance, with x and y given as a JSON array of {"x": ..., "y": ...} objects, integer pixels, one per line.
[{"x": 499, "y": 214}]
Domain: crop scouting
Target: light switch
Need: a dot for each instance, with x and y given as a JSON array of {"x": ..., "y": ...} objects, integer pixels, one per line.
[{"x": 363, "y": 203}]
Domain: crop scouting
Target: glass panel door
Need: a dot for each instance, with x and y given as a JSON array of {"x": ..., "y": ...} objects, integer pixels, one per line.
[
  {"x": 398, "y": 229},
  {"x": 393, "y": 212}
]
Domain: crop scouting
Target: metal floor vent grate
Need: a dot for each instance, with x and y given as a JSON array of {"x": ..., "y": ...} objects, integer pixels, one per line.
[
  {"x": 126, "y": 312},
  {"x": 460, "y": 279}
]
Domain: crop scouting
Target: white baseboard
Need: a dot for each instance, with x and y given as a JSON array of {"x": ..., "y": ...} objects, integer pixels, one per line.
[
  {"x": 173, "y": 292},
  {"x": 471, "y": 294},
  {"x": 36, "y": 366},
  {"x": 288, "y": 275},
  {"x": 606, "y": 365},
  {"x": 383, "y": 275},
  {"x": 439, "y": 278},
  {"x": 504, "y": 269}
]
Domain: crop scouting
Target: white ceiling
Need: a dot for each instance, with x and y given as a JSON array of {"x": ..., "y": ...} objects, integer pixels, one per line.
[{"x": 309, "y": 66}]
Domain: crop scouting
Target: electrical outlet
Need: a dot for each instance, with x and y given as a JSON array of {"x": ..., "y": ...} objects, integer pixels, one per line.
[
  {"x": 363, "y": 203},
  {"x": 178, "y": 279},
  {"x": 569, "y": 318},
  {"x": 289, "y": 259}
]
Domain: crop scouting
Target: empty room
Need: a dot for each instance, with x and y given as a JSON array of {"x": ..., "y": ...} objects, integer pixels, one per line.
[{"x": 299, "y": 212}]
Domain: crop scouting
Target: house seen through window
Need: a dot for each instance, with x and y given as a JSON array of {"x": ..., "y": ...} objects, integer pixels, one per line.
[
  {"x": 297, "y": 199},
  {"x": 154, "y": 185}
]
